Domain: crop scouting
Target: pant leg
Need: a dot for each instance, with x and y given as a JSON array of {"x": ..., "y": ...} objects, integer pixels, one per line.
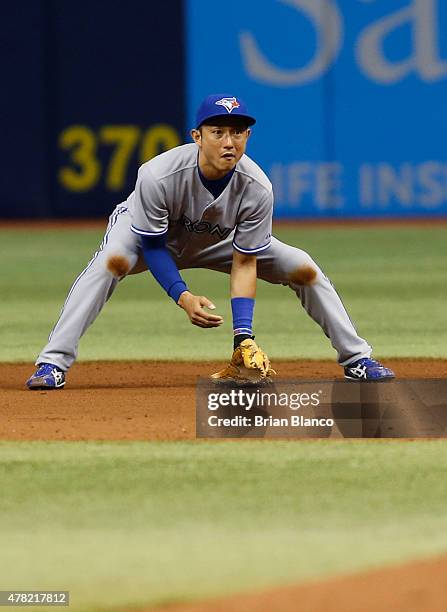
[
  {"x": 282, "y": 263},
  {"x": 115, "y": 258},
  {"x": 287, "y": 265}
]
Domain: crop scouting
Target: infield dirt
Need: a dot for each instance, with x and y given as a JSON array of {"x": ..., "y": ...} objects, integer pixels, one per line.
[
  {"x": 415, "y": 587},
  {"x": 137, "y": 400}
]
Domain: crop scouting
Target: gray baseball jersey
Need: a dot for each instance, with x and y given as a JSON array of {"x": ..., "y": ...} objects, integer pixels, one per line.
[
  {"x": 201, "y": 231},
  {"x": 170, "y": 198}
]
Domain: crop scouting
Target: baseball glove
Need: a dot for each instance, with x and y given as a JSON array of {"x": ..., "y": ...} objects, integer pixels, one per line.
[{"x": 249, "y": 365}]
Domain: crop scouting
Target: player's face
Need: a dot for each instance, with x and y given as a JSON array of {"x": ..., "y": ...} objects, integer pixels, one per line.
[{"x": 221, "y": 146}]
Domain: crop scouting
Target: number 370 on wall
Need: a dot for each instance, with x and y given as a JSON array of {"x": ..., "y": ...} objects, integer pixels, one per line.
[{"x": 84, "y": 169}]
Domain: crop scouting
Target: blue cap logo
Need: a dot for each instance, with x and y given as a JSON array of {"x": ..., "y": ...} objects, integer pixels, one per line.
[{"x": 228, "y": 103}]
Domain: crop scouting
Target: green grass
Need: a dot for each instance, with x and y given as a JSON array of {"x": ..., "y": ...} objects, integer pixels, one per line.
[
  {"x": 132, "y": 523},
  {"x": 392, "y": 281}
]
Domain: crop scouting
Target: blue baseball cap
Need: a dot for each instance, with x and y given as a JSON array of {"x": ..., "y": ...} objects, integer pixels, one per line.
[{"x": 218, "y": 105}]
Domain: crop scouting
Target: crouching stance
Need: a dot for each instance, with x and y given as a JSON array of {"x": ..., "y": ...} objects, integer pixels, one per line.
[{"x": 205, "y": 205}]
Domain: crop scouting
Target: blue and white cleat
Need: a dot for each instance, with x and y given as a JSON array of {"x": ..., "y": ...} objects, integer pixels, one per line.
[
  {"x": 369, "y": 370},
  {"x": 48, "y": 376}
]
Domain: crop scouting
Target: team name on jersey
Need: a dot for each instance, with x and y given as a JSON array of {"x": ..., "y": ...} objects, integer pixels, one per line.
[{"x": 200, "y": 227}]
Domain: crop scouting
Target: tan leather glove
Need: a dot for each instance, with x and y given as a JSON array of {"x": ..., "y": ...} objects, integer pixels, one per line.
[{"x": 249, "y": 365}]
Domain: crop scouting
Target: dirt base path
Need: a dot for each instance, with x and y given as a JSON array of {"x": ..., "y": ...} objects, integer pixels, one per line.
[
  {"x": 136, "y": 400},
  {"x": 417, "y": 587}
]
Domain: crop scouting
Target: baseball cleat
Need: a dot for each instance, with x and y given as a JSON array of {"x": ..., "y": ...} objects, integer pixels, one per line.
[
  {"x": 369, "y": 370},
  {"x": 48, "y": 376}
]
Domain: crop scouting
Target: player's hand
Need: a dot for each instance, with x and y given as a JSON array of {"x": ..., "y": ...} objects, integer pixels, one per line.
[{"x": 194, "y": 306}]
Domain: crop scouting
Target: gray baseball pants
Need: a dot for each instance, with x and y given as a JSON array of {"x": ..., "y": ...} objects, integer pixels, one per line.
[{"x": 120, "y": 254}]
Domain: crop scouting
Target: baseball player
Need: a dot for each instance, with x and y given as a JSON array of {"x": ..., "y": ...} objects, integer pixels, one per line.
[{"x": 205, "y": 205}]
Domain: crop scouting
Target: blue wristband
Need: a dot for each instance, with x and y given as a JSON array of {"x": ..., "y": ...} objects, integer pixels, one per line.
[{"x": 242, "y": 308}]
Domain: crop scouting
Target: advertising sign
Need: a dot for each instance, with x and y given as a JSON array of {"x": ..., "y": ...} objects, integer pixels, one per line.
[{"x": 350, "y": 99}]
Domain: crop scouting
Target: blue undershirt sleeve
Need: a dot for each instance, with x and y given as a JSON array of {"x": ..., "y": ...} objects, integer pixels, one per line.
[{"x": 162, "y": 266}]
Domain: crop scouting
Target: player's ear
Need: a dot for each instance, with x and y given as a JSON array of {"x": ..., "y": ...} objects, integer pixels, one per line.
[
  {"x": 196, "y": 136},
  {"x": 248, "y": 133}
]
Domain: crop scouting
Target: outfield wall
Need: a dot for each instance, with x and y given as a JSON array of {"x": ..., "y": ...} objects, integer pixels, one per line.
[
  {"x": 92, "y": 90},
  {"x": 350, "y": 98}
]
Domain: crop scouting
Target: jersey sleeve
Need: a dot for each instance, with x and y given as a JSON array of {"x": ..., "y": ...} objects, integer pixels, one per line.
[
  {"x": 254, "y": 233},
  {"x": 150, "y": 213}
]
